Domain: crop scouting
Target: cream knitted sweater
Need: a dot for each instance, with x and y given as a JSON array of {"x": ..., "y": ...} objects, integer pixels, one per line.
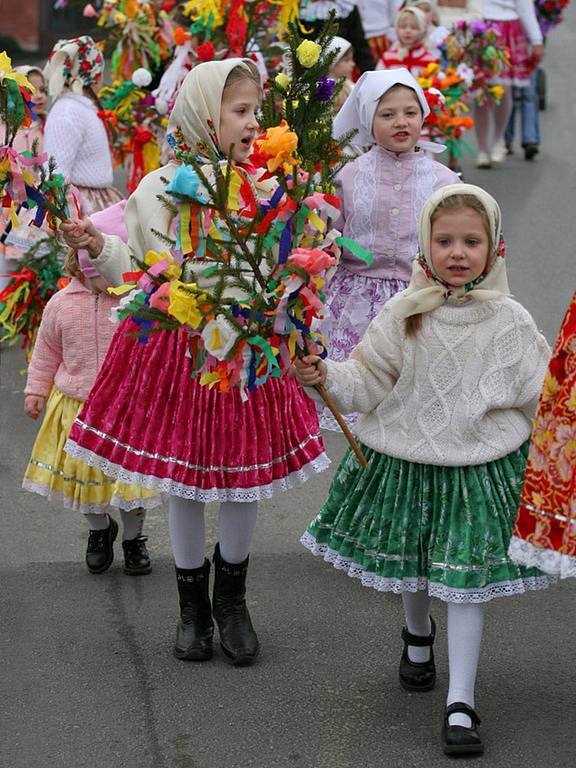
[
  {"x": 463, "y": 391},
  {"x": 75, "y": 136}
]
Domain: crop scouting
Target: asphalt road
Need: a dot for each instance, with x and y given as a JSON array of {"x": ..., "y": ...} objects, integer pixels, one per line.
[{"x": 87, "y": 677}]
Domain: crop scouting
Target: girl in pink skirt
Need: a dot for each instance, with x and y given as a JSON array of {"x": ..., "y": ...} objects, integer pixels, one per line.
[
  {"x": 147, "y": 419},
  {"x": 520, "y": 33}
]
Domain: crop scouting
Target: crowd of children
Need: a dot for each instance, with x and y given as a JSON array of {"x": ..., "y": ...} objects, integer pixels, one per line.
[{"x": 439, "y": 370}]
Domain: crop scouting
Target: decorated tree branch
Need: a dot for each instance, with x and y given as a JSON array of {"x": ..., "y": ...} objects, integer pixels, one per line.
[
  {"x": 244, "y": 270},
  {"x": 472, "y": 50}
]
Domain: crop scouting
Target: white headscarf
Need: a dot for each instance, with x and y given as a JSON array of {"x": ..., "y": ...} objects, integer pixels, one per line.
[
  {"x": 417, "y": 14},
  {"x": 339, "y": 46},
  {"x": 197, "y": 107},
  {"x": 426, "y": 291},
  {"x": 359, "y": 110}
]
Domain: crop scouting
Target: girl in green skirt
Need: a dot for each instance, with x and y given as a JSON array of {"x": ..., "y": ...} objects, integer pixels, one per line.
[{"x": 446, "y": 380}]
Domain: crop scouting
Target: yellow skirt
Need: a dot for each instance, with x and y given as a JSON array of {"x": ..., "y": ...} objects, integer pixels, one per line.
[{"x": 54, "y": 474}]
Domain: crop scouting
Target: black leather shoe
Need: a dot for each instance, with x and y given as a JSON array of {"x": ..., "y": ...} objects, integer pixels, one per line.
[
  {"x": 100, "y": 551},
  {"x": 196, "y": 628},
  {"x": 238, "y": 639},
  {"x": 530, "y": 151},
  {"x": 414, "y": 675},
  {"x": 136, "y": 557},
  {"x": 457, "y": 739}
]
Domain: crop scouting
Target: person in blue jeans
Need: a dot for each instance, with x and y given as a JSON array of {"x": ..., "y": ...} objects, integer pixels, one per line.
[{"x": 525, "y": 101}]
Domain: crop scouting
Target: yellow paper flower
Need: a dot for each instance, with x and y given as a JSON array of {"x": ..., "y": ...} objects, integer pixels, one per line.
[
  {"x": 184, "y": 303},
  {"x": 283, "y": 80},
  {"x": 497, "y": 92},
  {"x": 279, "y": 142},
  {"x": 308, "y": 53},
  {"x": 7, "y": 73},
  {"x": 172, "y": 271}
]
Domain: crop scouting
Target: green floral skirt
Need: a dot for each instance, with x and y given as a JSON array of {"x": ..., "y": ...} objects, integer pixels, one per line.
[{"x": 400, "y": 526}]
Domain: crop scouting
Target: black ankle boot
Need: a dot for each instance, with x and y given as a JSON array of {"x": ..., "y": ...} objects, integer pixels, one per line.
[
  {"x": 414, "y": 675},
  {"x": 196, "y": 628},
  {"x": 100, "y": 549},
  {"x": 237, "y": 637},
  {"x": 136, "y": 557}
]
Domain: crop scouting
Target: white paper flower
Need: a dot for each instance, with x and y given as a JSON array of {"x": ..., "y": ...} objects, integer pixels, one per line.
[
  {"x": 219, "y": 336},
  {"x": 438, "y": 93},
  {"x": 141, "y": 77},
  {"x": 124, "y": 301},
  {"x": 466, "y": 73},
  {"x": 161, "y": 106}
]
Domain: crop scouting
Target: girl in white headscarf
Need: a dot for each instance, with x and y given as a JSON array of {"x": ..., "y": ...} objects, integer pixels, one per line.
[
  {"x": 75, "y": 135},
  {"x": 447, "y": 380},
  {"x": 149, "y": 420},
  {"x": 381, "y": 194}
]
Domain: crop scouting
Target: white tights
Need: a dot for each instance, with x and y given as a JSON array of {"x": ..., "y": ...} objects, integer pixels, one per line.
[
  {"x": 132, "y": 522},
  {"x": 465, "y": 625},
  {"x": 501, "y": 114},
  {"x": 237, "y": 521}
]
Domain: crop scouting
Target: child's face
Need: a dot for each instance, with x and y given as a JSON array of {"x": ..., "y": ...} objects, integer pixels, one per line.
[
  {"x": 39, "y": 98},
  {"x": 344, "y": 67},
  {"x": 408, "y": 31},
  {"x": 238, "y": 123},
  {"x": 398, "y": 120},
  {"x": 459, "y": 246}
]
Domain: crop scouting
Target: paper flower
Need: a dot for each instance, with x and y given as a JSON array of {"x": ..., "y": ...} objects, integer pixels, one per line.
[
  {"x": 206, "y": 51},
  {"x": 325, "y": 88},
  {"x": 141, "y": 77},
  {"x": 282, "y": 80},
  {"x": 278, "y": 143},
  {"x": 160, "y": 299},
  {"x": 185, "y": 299},
  {"x": 308, "y": 53},
  {"x": 313, "y": 260},
  {"x": 219, "y": 337},
  {"x": 7, "y": 73}
]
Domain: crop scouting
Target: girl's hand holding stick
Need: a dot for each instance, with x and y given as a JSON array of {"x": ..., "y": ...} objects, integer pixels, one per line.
[
  {"x": 82, "y": 234},
  {"x": 311, "y": 371}
]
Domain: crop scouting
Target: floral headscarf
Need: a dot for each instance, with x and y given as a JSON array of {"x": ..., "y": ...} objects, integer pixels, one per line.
[
  {"x": 73, "y": 65},
  {"x": 426, "y": 290}
]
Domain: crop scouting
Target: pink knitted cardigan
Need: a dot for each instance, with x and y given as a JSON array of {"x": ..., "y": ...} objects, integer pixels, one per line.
[{"x": 73, "y": 339}]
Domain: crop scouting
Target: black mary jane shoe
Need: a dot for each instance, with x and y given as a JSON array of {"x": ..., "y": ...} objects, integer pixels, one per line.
[
  {"x": 415, "y": 675},
  {"x": 457, "y": 739}
]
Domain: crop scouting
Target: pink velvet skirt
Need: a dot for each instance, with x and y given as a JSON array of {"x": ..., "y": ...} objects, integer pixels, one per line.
[{"x": 148, "y": 422}]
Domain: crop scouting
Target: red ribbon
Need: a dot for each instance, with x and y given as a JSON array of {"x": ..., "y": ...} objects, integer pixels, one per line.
[{"x": 141, "y": 137}]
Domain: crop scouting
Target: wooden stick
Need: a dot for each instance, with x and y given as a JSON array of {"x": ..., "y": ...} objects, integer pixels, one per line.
[{"x": 323, "y": 392}]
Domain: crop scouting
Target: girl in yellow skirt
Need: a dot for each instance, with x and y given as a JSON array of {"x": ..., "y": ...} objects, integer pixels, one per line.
[{"x": 73, "y": 339}]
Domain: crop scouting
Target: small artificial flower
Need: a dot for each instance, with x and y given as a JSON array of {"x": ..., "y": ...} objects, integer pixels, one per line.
[
  {"x": 325, "y": 89},
  {"x": 308, "y": 53}
]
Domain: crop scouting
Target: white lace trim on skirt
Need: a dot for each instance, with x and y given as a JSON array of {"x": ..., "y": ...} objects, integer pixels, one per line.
[
  {"x": 441, "y": 591},
  {"x": 90, "y": 509},
  {"x": 547, "y": 560},
  {"x": 172, "y": 488}
]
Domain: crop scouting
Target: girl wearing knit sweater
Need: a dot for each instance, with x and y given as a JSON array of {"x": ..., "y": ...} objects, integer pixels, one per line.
[
  {"x": 447, "y": 380},
  {"x": 381, "y": 194},
  {"x": 521, "y": 34},
  {"x": 149, "y": 421},
  {"x": 75, "y": 135},
  {"x": 74, "y": 336}
]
